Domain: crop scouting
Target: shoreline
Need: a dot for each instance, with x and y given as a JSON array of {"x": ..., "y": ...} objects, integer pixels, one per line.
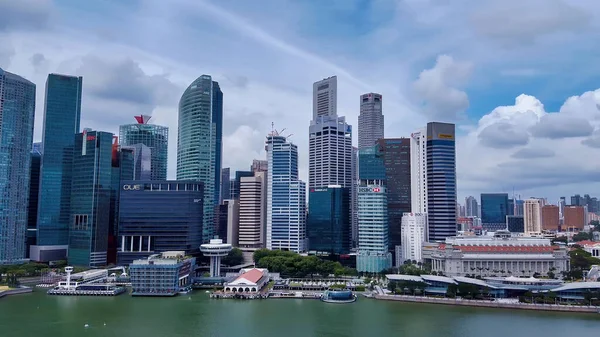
[
  {"x": 489, "y": 304},
  {"x": 16, "y": 291}
]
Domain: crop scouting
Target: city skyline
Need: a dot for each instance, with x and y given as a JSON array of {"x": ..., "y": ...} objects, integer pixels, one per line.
[{"x": 492, "y": 77}]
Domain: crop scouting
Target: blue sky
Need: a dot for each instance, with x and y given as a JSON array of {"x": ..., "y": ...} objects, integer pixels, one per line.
[{"x": 461, "y": 61}]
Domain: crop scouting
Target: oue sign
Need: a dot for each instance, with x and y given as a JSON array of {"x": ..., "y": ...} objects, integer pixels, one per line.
[{"x": 132, "y": 187}]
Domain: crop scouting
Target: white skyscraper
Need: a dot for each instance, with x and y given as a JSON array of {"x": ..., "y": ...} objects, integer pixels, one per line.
[
  {"x": 471, "y": 206},
  {"x": 354, "y": 199},
  {"x": 414, "y": 233},
  {"x": 252, "y": 211},
  {"x": 325, "y": 98},
  {"x": 370, "y": 120},
  {"x": 418, "y": 171},
  {"x": 532, "y": 210}
]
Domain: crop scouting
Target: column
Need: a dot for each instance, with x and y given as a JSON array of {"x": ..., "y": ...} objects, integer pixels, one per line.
[
  {"x": 148, "y": 242},
  {"x": 123, "y": 243}
]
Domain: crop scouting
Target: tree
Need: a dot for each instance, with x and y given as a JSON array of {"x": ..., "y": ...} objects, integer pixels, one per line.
[
  {"x": 581, "y": 236},
  {"x": 234, "y": 258},
  {"x": 452, "y": 290}
]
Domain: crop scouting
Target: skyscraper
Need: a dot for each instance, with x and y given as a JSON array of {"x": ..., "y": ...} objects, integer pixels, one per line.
[
  {"x": 252, "y": 212},
  {"x": 325, "y": 98},
  {"x": 354, "y": 199},
  {"x": 414, "y": 233},
  {"x": 533, "y": 216},
  {"x": 328, "y": 223},
  {"x": 199, "y": 140},
  {"x": 373, "y": 232},
  {"x": 286, "y": 196},
  {"x": 370, "y": 120},
  {"x": 142, "y": 161},
  {"x": 330, "y": 152},
  {"x": 494, "y": 209},
  {"x": 34, "y": 192},
  {"x": 396, "y": 160},
  {"x": 225, "y": 185},
  {"x": 441, "y": 180},
  {"x": 17, "y": 109},
  {"x": 90, "y": 198},
  {"x": 471, "y": 206},
  {"x": 155, "y": 137},
  {"x": 418, "y": 171},
  {"x": 62, "y": 114}
]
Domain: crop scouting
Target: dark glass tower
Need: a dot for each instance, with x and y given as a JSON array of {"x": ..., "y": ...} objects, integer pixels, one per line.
[
  {"x": 90, "y": 199},
  {"x": 494, "y": 209},
  {"x": 17, "y": 108},
  {"x": 62, "y": 113},
  {"x": 34, "y": 189},
  {"x": 328, "y": 223},
  {"x": 155, "y": 137},
  {"x": 441, "y": 180}
]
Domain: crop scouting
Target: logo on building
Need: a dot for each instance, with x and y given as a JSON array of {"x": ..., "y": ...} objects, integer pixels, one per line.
[
  {"x": 197, "y": 200},
  {"x": 369, "y": 190},
  {"x": 132, "y": 187}
]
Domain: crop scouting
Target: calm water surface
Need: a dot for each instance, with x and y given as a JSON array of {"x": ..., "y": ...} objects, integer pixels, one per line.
[{"x": 38, "y": 314}]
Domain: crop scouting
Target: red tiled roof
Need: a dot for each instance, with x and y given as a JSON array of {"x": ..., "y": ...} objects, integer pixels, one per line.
[
  {"x": 506, "y": 249},
  {"x": 253, "y": 275},
  {"x": 586, "y": 243}
]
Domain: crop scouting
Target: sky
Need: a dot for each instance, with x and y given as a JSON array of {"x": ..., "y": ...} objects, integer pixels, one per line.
[{"x": 520, "y": 78}]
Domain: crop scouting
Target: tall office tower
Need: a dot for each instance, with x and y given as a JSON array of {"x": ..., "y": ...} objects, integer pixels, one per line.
[
  {"x": 286, "y": 196},
  {"x": 414, "y": 234},
  {"x": 494, "y": 209},
  {"x": 576, "y": 200},
  {"x": 354, "y": 200},
  {"x": 62, "y": 113},
  {"x": 373, "y": 232},
  {"x": 575, "y": 218},
  {"x": 325, "y": 98},
  {"x": 233, "y": 221},
  {"x": 550, "y": 218},
  {"x": 199, "y": 145},
  {"x": 441, "y": 181},
  {"x": 259, "y": 165},
  {"x": 252, "y": 212},
  {"x": 370, "y": 120},
  {"x": 90, "y": 198},
  {"x": 418, "y": 171},
  {"x": 471, "y": 206},
  {"x": 225, "y": 185},
  {"x": 17, "y": 109},
  {"x": 155, "y": 137},
  {"x": 519, "y": 207},
  {"x": 159, "y": 216},
  {"x": 34, "y": 191},
  {"x": 396, "y": 160},
  {"x": 142, "y": 161},
  {"x": 328, "y": 223},
  {"x": 532, "y": 216},
  {"x": 511, "y": 206},
  {"x": 235, "y": 183},
  {"x": 330, "y": 152}
]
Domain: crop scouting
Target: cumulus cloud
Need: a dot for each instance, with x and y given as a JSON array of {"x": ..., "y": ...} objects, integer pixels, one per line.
[
  {"x": 522, "y": 22},
  {"x": 502, "y": 135},
  {"x": 24, "y": 14},
  {"x": 560, "y": 125},
  {"x": 531, "y": 153},
  {"x": 39, "y": 63},
  {"x": 7, "y": 51},
  {"x": 438, "y": 88}
]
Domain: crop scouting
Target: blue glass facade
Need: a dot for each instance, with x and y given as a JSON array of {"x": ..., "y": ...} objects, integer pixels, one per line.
[
  {"x": 159, "y": 216},
  {"x": 328, "y": 223},
  {"x": 90, "y": 199},
  {"x": 156, "y": 139},
  {"x": 441, "y": 180},
  {"x": 371, "y": 164},
  {"x": 494, "y": 209},
  {"x": 199, "y": 141},
  {"x": 515, "y": 223},
  {"x": 123, "y": 168},
  {"x": 161, "y": 277},
  {"x": 17, "y": 108},
  {"x": 62, "y": 114},
  {"x": 34, "y": 189}
]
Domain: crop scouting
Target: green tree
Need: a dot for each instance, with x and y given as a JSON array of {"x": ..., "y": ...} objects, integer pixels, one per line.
[
  {"x": 452, "y": 290},
  {"x": 234, "y": 258},
  {"x": 581, "y": 236}
]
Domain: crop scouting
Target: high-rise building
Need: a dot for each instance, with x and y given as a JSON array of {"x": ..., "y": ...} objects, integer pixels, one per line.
[
  {"x": 159, "y": 216},
  {"x": 577, "y": 200},
  {"x": 515, "y": 224},
  {"x": 471, "y": 206},
  {"x": 550, "y": 218},
  {"x": 142, "y": 161},
  {"x": 414, "y": 234},
  {"x": 233, "y": 218},
  {"x": 34, "y": 190},
  {"x": 441, "y": 180},
  {"x": 370, "y": 120},
  {"x": 234, "y": 186},
  {"x": 259, "y": 165},
  {"x": 199, "y": 145},
  {"x": 90, "y": 199},
  {"x": 225, "y": 185},
  {"x": 519, "y": 207},
  {"x": 418, "y": 171},
  {"x": 574, "y": 218},
  {"x": 328, "y": 223},
  {"x": 325, "y": 98},
  {"x": 155, "y": 137},
  {"x": 286, "y": 196},
  {"x": 354, "y": 199},
  {"x": 17, "y": 109},
  {"x": 252, "y": 212},
  {"x": 561, "y": 205},
  {"x": 396, "y": 159},
  {"x": 62, "y": 114},
  {"x": 532, "y": 216},
  {"x": 494, "y": 209},
  {"x": 373, "y": 232}
]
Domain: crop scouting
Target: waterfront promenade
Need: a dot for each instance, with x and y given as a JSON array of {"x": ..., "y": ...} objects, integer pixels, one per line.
[
  {"x": 488, "y": 304},
  {"x": 15, "y": 291}
]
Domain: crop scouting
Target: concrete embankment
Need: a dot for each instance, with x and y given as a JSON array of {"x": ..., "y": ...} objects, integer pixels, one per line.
[
  {"x": 15, "y": 291},
  {"x": 489, "y": 304}
]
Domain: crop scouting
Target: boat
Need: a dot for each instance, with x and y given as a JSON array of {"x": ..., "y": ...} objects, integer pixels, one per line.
[
  {"x": 338, "y": 296},
  {"x": 185, "y": 291}
]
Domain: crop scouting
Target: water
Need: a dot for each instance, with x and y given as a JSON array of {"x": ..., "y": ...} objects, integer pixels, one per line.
[{"x": 195, "y": 314}]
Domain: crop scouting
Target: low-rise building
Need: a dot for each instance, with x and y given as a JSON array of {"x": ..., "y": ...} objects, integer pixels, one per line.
[
  {"x": 250, "y": 281},
  {"x": 591, "y": 247},
  {"x": 498, "y": 255},
  {"x": 163, "y": 274}
]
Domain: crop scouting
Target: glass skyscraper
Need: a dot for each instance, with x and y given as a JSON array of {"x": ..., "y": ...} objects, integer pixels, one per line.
[
  {"x": 17, "y": 109},
  {"x": 90, "y": 198},
  {"x": 328, "y": 223},
  {"x": 441, "y": 180},
  {"x": 286, "y": 197},
  {"x": 34, "y": 192},
  {"x": 494, "y": 209},
  {"x": 199, "y": 140},
  {"x": 62, "y": 114},
  {"x": 155, "y": 137}
]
